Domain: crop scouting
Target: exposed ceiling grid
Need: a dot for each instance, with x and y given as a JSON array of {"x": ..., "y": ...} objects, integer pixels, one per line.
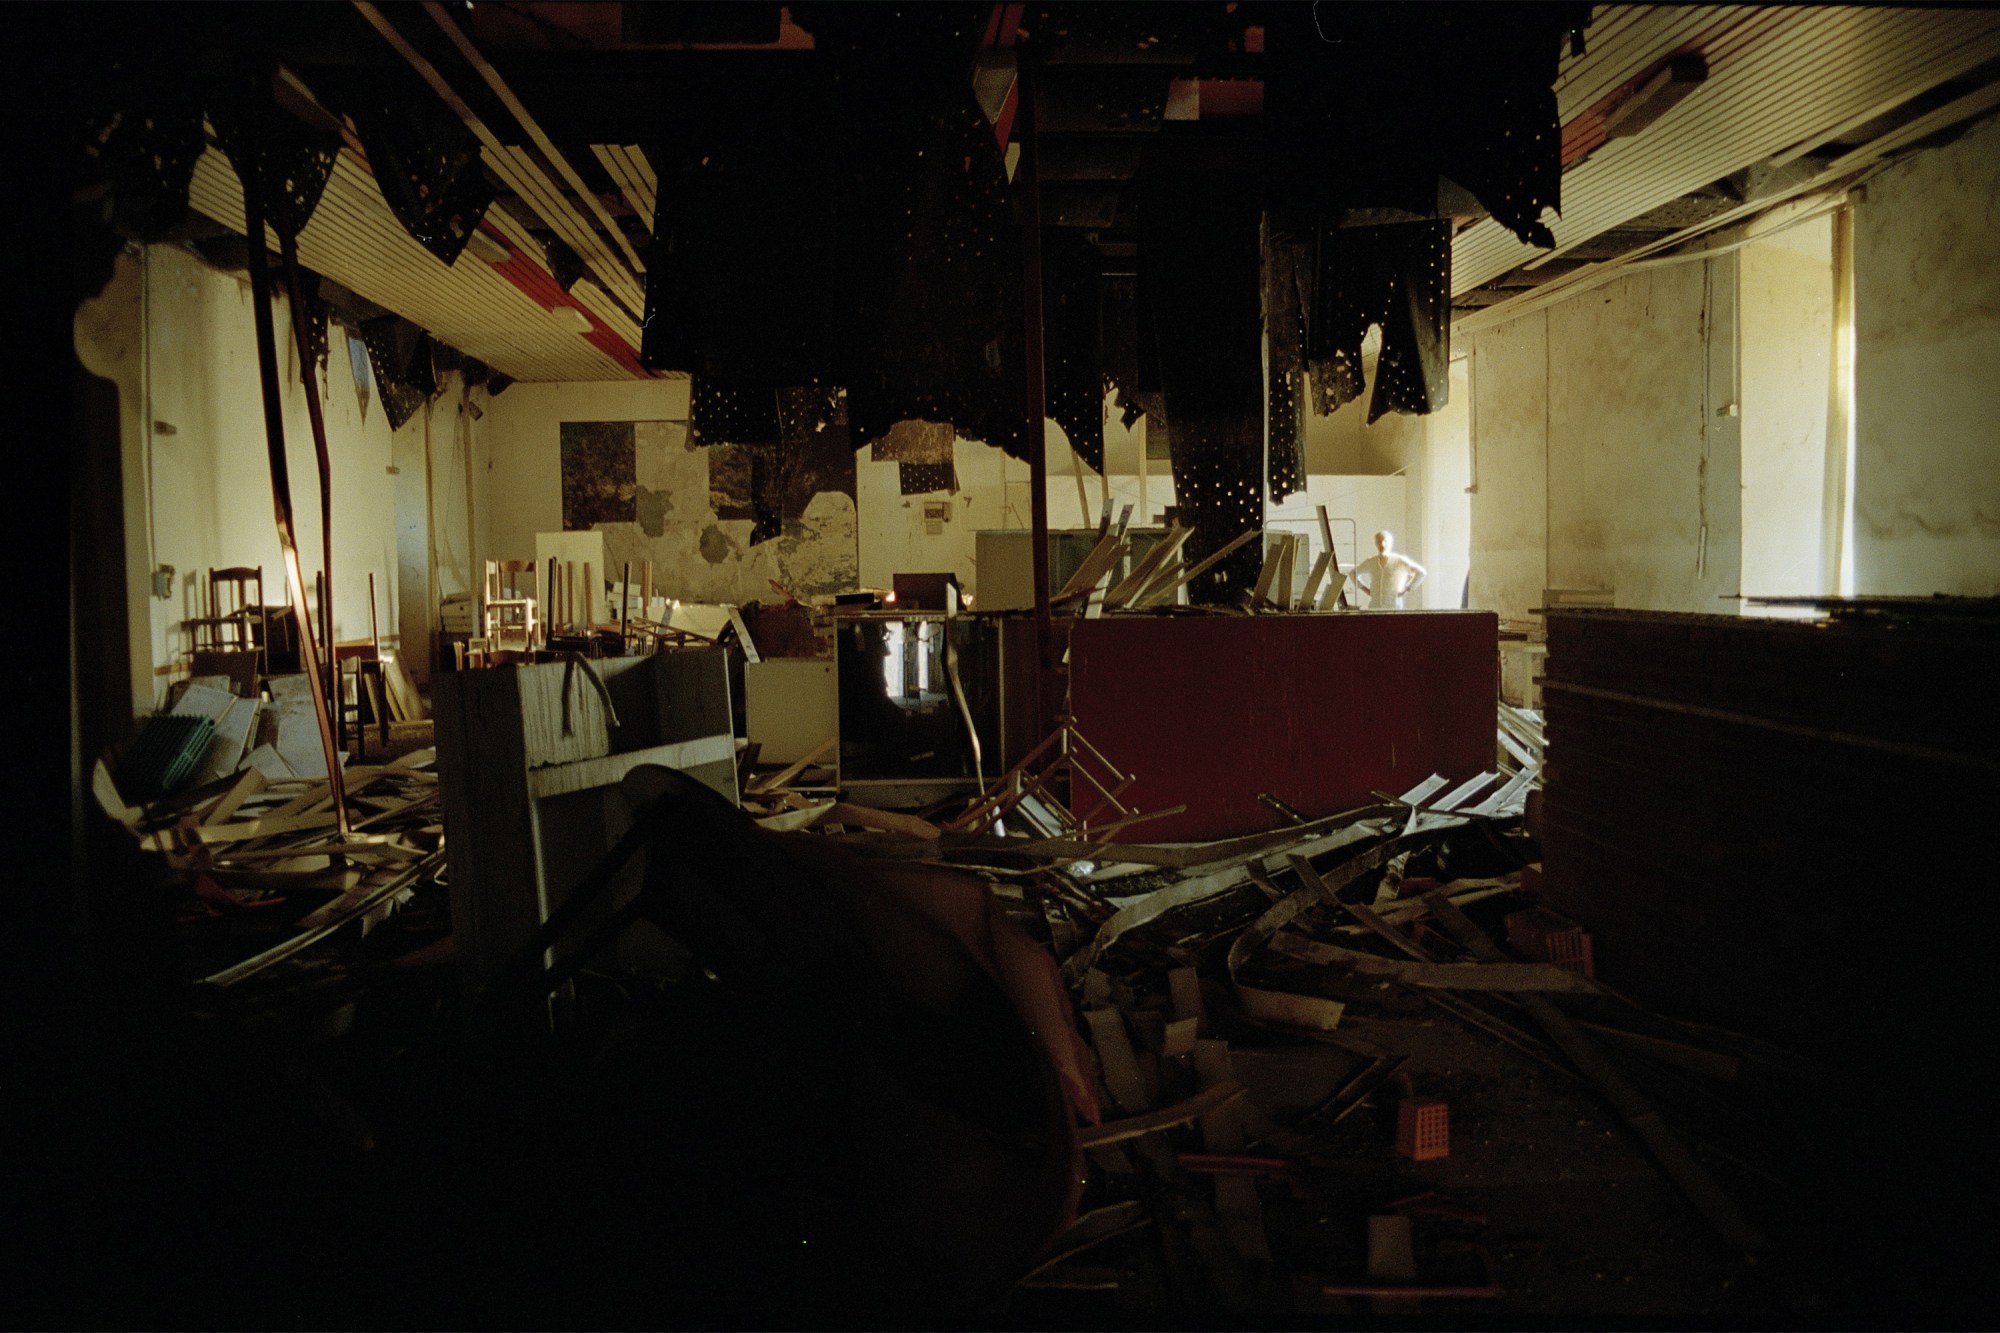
[{"x": 1811, "y": 77}]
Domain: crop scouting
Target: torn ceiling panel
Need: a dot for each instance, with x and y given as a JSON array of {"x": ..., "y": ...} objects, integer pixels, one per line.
[{"x": 1779, "y": 77}]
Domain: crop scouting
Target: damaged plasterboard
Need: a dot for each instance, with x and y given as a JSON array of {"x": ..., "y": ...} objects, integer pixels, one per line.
[{"x": 700, "y": 555}]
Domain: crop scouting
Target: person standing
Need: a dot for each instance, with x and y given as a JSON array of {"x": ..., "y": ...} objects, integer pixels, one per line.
[{"x": 1388, "y": 575}]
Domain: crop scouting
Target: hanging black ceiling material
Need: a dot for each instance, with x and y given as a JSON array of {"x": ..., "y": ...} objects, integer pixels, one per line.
[
  {"x": 694, "y": 21},
  {"x": 566, "y": 266},
  {"x": 937, "y": 329},
  {"x": 425, "y": 161},
  {"x": 1369, "y": 107},
  {"x": 1199, "y": 276},
  {"x": 292, "y": 159},
  {"x": 1413, "y": 370},
  {"x": 1287, "y": 264},
  {"x": 925, "y": 478},
  {"x": 317, "y": 320},
  {"x": 140, "y": 139},
  {"x": 854, "y": 228},
  {"x": 1131, "y": 361},
  {"x": 772, "y": 482},
  {"x": 400, "y": 355},
  {"x": 743, "y": 275},
  {"x": 721, "y": 412},
  {"x": 1073, "y": 364},
  {"x": 1095, "y": 33},
  {"x": 814, "y": 454},
  {"x": 1398, "y": 277}
]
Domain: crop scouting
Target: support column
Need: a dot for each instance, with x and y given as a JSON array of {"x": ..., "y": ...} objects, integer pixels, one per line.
[{"x": 1034, "y": 405}]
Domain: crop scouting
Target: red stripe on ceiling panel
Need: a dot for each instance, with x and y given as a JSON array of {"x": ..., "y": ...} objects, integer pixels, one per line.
[
  {"x": 1004, "y": 127},
  {"x": 1584, "y": 133},
  {"x": 539, "y": 286}
]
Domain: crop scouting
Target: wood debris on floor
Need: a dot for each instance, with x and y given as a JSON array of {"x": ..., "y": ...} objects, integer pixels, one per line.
[{"x": 999, "y": 1061}]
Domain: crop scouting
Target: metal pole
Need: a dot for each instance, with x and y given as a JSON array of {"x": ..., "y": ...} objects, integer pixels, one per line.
[
  {"x": 274, "y": 432},
  {"x": 1034, "y": 405}
]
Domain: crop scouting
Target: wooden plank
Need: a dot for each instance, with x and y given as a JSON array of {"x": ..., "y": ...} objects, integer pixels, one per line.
[
  {"x": 358, "y": 906},
  {"x": 743, "y": 636},
  {"x": 1093, "y": 1229},
  {"x": 267, "y": 827},
  {"x": 1133, "y": 582},
  {"x": 792, "y": 770},
  {"x": 891, "y": 821},
  {"x": 1281, "y": 591},
  {"x": 1309, "y": 599},
  {"x": 1678, "y": 1164},
  {"x": 1502, "y": 976},
  {"x": 1267, "y": 574},
  {"x": 1187, "y": 576},
  {"x": 248, "y": 785},
  {"x": 1464, "y": 792},
  {"x": 403, "y": 696},
  {"x": 1149, "y": 568},
  {"x": 1392, "y": 1259},
  {"x": 1236, "y": 1199},
  {"x": 1117, "y": 1060},
  {"x": 1094, "y": 567},
  {"x": 1180, "y": 1113}
]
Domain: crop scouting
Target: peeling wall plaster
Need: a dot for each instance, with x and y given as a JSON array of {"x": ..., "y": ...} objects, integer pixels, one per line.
[{"x": 697, "y": 556}]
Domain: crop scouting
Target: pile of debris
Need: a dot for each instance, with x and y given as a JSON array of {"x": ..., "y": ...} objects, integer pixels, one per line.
[{"x": 1044, "y": 1043}]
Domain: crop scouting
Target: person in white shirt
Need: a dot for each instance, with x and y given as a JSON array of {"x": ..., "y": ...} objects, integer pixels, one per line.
[{"x": 1387, "y": 575}]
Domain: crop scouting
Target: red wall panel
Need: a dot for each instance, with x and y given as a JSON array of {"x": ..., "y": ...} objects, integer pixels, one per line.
[{"x": 1315, "y": 709}]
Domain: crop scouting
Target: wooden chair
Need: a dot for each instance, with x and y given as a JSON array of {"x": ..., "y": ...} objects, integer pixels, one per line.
[
  {"x": 369, "y": 683},
  {"x": 509, "y": 619},
  {"x": 363, "y": 660},
  {"x": 235, "y": 621}
]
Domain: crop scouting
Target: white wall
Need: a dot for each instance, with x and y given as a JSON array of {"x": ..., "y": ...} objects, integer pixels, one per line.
[
  {"x": 1927, "y": 372},
  {"x": 109, "y": 335},
  {"x": 1606, "y": 446},
  {"x": 896, "y": 538},
  {"x": 1446, "y": 531},
  {"x": 1787, "y": 357},
  {"x": 1510, "y": 461},
  {"x": 209, "y": 483}
]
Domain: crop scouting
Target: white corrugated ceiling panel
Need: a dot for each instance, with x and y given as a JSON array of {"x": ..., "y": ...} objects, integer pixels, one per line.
[
  {"x": 355, "y": 240},
  {"x": 1778, "y": 77},
  {"x": 633, "y": 175}
]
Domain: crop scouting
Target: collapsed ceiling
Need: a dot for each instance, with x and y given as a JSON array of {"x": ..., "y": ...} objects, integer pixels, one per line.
[{"x": 771, "y": 197}]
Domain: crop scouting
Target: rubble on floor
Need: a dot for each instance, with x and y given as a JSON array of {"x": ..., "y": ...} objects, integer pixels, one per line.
[{"x": 991, "y": 1061}]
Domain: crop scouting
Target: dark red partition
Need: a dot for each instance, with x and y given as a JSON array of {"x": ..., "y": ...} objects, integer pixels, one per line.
[{"x": 1315, "y": 709}]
